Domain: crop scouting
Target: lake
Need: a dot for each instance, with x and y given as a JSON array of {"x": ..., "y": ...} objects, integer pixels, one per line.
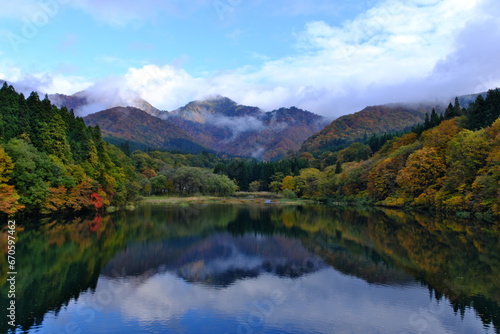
[{"x": 255, "y": 269}]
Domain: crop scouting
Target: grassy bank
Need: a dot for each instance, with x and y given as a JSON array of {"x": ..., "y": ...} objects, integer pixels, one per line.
[{"x": 254, "y": 198}]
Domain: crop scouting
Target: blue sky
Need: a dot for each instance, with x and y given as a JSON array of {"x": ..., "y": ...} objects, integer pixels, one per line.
[{"x": 328, "y": 56}]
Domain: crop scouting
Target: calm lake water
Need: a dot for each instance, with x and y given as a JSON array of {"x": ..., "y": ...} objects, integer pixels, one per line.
[{"x": 256, "y": 269}]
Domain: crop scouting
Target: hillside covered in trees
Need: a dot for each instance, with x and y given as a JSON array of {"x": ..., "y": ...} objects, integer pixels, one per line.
[
  {"x": 371, "y": 120},
  {"x": 142, "y": 131},
  {"x": 50, "y": 161},
  {"x": 450, "y": 162}
]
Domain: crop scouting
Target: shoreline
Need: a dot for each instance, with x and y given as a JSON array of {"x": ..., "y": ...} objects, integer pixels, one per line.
[{"x": 253, "y": 200}]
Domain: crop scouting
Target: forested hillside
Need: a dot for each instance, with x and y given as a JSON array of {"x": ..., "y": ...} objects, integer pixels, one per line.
[
  {"x": 142, "y": 131},
  {"x": 451, "y": 164},
  {"x": 371, "y": 120},
  {"x": 50, "y": 161}
]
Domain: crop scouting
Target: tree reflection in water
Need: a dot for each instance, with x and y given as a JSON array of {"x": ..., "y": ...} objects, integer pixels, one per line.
[{"x": 219, "y": 246}]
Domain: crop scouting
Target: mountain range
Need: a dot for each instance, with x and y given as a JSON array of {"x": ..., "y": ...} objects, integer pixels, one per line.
[
  {"x": 218, "y": 124},
  {"x": 225, "y": 126}
]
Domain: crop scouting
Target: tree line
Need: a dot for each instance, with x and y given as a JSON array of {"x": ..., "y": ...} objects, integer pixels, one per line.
[{"x": 450, "y": 162}]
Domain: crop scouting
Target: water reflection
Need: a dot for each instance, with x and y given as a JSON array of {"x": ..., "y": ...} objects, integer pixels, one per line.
[
  {"x": 225, "y": 269},
  {"x": 219, "y": 259}
]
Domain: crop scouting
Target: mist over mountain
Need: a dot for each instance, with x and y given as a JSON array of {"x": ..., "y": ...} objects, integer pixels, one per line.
[
  {"x": 92, "y": 100},
  {"x": 201, "y": 111},
  {"x": 226, "y": 126},
  {"x": 217, "y": 124}
]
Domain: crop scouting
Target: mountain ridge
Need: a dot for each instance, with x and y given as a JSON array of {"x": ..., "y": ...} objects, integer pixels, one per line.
[
  {"x": 84, "y": 103},
  {"x": 392, "y": 117},
  {"x": 218, "y": 124},
  {"x": 242, "y": 130},
  {"x": 142, "y": 130}
]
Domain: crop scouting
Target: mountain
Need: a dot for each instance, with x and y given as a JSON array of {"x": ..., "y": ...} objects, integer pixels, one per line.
[
  {"x": 219, "y": 123},
  {"x": 202, "y": 111},
  {"x": 76, "y": 101},
  {"x": 86, "y": 102},
  {"x": 142, "y": 130},
  {"x": 219, "y": 259},
  {"x": 371, "y": 120},
  {"x": 391, "y": 117},
  {"x": 225, "y": 126}
]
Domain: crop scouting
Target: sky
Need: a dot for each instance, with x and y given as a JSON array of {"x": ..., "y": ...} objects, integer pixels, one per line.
[{"x": 331, "y": 57}]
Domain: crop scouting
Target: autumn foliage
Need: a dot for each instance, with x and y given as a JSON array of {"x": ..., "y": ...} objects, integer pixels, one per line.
[
  {"x": 9, "y": 202},
  {"x": 51, "y": 161},
  {"x": 451, "y": 166}
]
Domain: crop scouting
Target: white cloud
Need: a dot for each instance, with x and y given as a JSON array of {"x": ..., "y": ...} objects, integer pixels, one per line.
[
  {"x": 237, "y": 125},
  {"x": 43, "y": 82},
  {"x": 64, "y": 84},
  {"x": 392, "y": 42},
  {"x": 166, "y": 87},
  {"x": 399, "y": 50},
  {"x": 394, "y": 45}
]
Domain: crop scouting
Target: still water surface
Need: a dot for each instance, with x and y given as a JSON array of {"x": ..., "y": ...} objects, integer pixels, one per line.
[{"x": 262, "y": 269}]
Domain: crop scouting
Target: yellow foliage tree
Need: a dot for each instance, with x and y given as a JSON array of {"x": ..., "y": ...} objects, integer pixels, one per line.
[
  {"x": 423, "y": 168},
  {"x": 308, "y": 182},
  {"x": 440, "y": 135},
  {"x": 466, "y": 155},
  {"x": 289, "y": 183},
  {"x": 382, "y": 178}
]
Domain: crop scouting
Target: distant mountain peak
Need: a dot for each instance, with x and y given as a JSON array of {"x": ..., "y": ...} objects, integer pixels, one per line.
[
  {"x": 218, "y": 98},
  {"x": 199, "y": 111},
  {"x": 91, "y": 101}
]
